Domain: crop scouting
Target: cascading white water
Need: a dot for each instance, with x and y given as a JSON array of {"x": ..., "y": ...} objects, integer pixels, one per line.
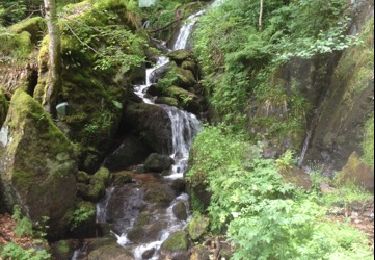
[
  {"x": 141, "y": 90},
  {"x": 185, "y": 31},
  {"x": 184, "y": 126}
]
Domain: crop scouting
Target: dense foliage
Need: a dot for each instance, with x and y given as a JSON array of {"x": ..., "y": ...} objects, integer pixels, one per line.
[
  {"x": 239, "y": 58},
  {"x": 264, "y": 216}
]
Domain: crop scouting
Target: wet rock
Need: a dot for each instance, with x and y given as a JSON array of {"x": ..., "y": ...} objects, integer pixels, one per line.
[
  {"x": 37, "y": 164},
  {"x": 151, "y": 124},
  {"x": 198, "y": 226},
  {"x": 200, "y": 252},
  {"x": 160, "y": 194},
  {"x": 179, "y": 210},
  {"x": 107, "y": 248},
  {"x": 154, "y": 91},
  {"x": 157, "y": 163},
  {"x": 92, "y": 188},
  {"x": 146, "y": 234},
  {"x": 125, "y": 204},
  {"x": 179, "y": 185},
  {"x": 132, "y": 151},
  {"x": 148, "y": 254},
  {"x": 176, "y": 246}
]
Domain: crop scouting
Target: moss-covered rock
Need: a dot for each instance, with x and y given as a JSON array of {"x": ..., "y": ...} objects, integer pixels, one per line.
[
  {"x": 160, "y": 194},
  {"x": 167, "y": 101},
  {"x": 15, "y": 46},
  {"x": 180, "y": 211},
  {"x": 176, "y": 243},
  {"x": 106, "y": 248},
  {"x": 368, "y": 142},
  {"x": 357, "y": 172},
  {"x": 180, "y": 55},
  {"x": 38, "y": 163},
  {"x": 189, "y": 65},
  {"x": 92, "y": 188},
  {"x": 157, "y": 163},
  {"x": 198, "y": 226},
  {"x": 122, "y": 178},
  {"x": 132, "y": 151},
  {"x": 36, "y": 26}
]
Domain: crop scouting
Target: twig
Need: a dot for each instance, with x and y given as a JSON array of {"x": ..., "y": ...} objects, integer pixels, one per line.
[{"x": 83, "y": 43}]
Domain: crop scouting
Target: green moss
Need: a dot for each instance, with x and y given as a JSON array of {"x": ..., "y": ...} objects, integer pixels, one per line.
[
  {"x": 357, "y": 65},
  {"x": 368, "y": 142},
  {"x": 92, "y": 188},
  {"x": 63, "y": 247},
  {"x": 36, "y": 26},
  {"x": 176, "y": 242},
  {"x": 179, "y": 93},
  {"x": 84, "y": 213},
  {"x": 15, "y": 46},
  {"x": 198, "y": 226}
]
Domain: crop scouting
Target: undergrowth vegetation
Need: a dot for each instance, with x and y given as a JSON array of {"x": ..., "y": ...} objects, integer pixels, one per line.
[
  {"x": 239, "y": 58},
  {"x": 263, "y": 215}
]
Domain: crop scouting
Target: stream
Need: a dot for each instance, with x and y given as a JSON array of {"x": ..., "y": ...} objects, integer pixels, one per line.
[{"x": 136, "y": 220}]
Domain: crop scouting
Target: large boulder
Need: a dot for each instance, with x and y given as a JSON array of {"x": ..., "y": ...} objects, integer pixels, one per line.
[
  {"x": 36, "y": 26},
  {"x": 176, "y": 246},
  {"x": 106, "y": 248},
  {"x": 198, "y": 226},
  {"x": 37, "y": 163},
  {"x": 132, "y": 151},
  {"x": 151, "y": 124},
  {"x": 357, "y": 172},
  {"x": 157, "y": 163}
]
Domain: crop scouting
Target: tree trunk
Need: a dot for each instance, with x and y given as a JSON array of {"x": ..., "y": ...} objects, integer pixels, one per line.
[
  {"x": 261, "y": 15},
  {"x": 54, "y": 75}
]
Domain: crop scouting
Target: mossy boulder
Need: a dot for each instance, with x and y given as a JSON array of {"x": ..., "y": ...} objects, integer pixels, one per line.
[
  {"x": 36, "y": 26},
  {"x": 3, "y": 107},
  {"x": 198, "y": 226},
  {"x": 92, "y": 188},
  {"x": 106, "y": 248},
  {"x": 180, "y": 55},
  {"x": 176, "y": 245},
  {"x": 150, "y": 124},
  {"x": 170, "y": 101},
  {"x": 122, "y": 178},
  {"x": 132, "y": 151},
  {"x": 185, "y": 78},
  {"x": 38, "y": 163},
  {"x": 15, "y": 45},
  {"x": 180, "y": 210},
  {"x": 157, "y": 163},
  {"x": 189, "y": 65},
  {"x": 159, "y": 194},
  {"x": 357, "y": 172}
]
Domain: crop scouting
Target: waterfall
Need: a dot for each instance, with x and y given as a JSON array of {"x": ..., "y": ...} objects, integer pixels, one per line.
[
  {"x": 185, "y": 31},
  {"x": 184, "y": 127}
]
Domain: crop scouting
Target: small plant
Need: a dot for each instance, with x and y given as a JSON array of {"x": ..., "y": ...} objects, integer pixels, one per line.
[{"x": 12, "y": 251}]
